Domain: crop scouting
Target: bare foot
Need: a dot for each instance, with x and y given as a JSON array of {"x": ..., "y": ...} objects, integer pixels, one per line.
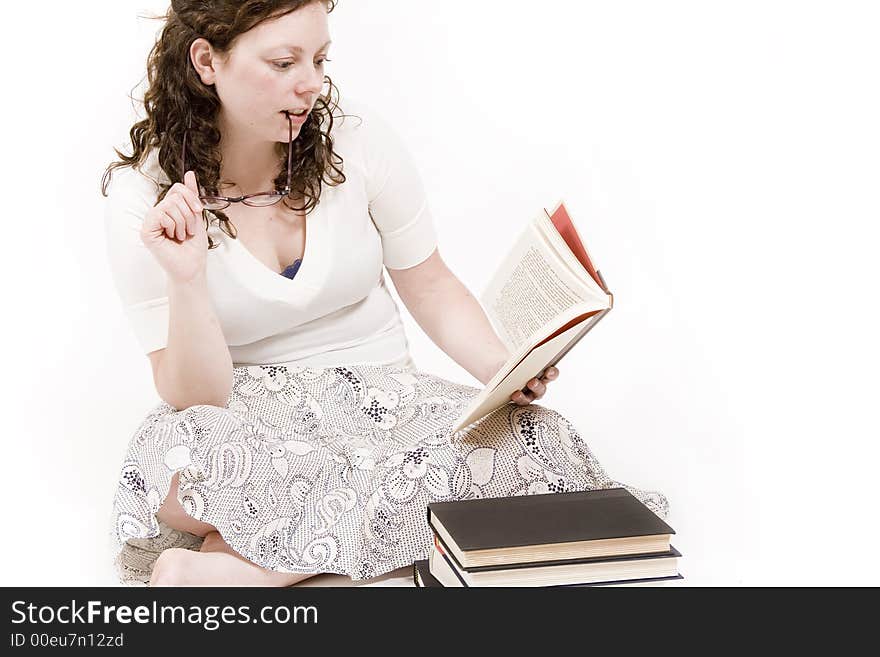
[{"x": 182, "y": 567}]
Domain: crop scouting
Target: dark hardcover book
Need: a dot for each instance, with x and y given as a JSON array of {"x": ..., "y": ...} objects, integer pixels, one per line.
[
  {"x": 422, "y": 575},
  {"x": 656, "y": 566},
  {"x": 548, "y": 527},
  {"x": 424, "y": 579},
  {"x": 443, "y": 548}
]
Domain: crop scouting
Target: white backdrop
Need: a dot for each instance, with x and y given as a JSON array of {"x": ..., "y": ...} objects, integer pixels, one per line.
[{"x": 720, "y": 158}]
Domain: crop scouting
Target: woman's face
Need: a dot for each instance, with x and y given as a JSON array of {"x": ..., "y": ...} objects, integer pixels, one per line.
[{"x": 275, "y": 66}]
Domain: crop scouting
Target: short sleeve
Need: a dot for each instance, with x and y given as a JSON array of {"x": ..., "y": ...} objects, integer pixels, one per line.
[
  {"x": 139, "y": 278},
  {"x": 397, "y": 201}
]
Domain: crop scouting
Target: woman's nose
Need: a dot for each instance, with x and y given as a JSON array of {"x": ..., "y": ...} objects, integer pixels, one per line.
[{"x": 313, "y": 84}]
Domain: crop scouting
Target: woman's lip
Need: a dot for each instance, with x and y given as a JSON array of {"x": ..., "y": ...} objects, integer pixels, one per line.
[{"x": 294, "y": 117}]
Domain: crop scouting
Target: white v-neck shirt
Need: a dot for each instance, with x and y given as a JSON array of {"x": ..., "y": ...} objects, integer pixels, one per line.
[{"x": 337, "y": 310}]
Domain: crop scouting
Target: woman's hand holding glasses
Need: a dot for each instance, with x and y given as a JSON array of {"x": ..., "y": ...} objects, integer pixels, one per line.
[{"x": 174, "y": 231}]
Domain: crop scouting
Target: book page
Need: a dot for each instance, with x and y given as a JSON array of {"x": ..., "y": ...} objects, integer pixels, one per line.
[
  {"x": 569, "y": 233},
  {"x": 582, "y": 269},
  {"x": 531, "y": 288}
]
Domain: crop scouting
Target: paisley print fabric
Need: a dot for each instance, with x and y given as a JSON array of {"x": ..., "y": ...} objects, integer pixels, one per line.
[{"x": 330, "y": 470}]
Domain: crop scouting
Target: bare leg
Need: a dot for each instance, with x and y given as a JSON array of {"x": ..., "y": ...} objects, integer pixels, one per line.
[
  {"x": 182, "y": 567},
  {"x": 216, "y": 564},
  {"x": 214, "y": 543},
  {"x": 173, "y": 515}
]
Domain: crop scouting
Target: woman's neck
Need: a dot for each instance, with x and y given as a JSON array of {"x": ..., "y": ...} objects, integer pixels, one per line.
[{"x": 251, "y": 165}]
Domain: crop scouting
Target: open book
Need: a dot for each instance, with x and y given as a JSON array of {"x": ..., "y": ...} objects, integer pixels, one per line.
[{"x": 542, "y": 300}]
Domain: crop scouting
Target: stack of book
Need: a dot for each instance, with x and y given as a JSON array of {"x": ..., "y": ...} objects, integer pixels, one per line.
[{"x": 583, "y": 538}]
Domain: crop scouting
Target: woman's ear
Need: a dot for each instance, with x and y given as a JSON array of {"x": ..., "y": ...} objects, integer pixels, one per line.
[{"x": 204, "y": 60}]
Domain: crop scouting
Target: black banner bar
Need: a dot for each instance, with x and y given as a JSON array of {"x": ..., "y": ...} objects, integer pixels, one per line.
[{"x": 161, "y": 620}]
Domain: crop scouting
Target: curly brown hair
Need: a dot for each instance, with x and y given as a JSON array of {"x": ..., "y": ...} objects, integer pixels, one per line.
[{"x": 176, "y": 98}]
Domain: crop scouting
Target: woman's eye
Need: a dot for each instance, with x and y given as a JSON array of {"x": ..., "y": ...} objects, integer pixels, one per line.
[{"x": 286, "y": 65}]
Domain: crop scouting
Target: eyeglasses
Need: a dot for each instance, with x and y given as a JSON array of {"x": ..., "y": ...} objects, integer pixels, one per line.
[{"x": 259, "y": 200}]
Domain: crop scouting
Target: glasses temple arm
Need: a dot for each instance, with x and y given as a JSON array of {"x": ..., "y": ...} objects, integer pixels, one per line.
[{"x": 289, "y": 150}]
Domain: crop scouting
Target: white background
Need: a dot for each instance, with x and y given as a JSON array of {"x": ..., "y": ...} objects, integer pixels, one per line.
[{"x": 720, "y": 158}]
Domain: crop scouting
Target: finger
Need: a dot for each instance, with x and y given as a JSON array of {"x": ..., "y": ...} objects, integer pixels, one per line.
[
  {"x": 179, "y": 230},
  {"x": 191, "y": 191},
  {"x": 189, "y": 215},
  {"x": 180, "y": 220},
  {"x": 185, "y": 211},
  {"x": 537, "y": 387},
  {"x": 189, "y": 180},
  {"x": 192, "y": 224},
  {"x": 521, "y": 398},
  {"x": 551, "y": 373},
  {"x": 189, "y": 197},
  {"x": 168, "y": 225}
]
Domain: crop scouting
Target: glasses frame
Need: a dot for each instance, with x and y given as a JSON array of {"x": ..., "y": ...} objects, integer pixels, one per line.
[{"x": 244, "y": 199}]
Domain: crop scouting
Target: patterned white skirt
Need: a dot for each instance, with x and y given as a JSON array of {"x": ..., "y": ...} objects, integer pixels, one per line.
[{"x": 330, "y": 470}]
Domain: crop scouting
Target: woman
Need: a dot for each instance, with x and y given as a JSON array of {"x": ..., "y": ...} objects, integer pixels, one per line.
[{"x": 248, "y": 244}]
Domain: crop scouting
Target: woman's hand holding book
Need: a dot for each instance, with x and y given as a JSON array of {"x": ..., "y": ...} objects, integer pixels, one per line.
[{"x": 537, "y": 387}]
